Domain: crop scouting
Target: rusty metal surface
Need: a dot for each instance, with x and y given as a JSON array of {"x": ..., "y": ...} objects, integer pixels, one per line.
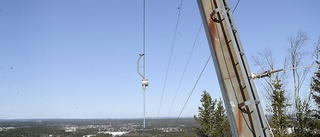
[{"x": 238, "y": 90}]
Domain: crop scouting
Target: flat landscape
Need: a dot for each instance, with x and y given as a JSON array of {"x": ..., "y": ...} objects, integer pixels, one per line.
[{"x": 97, "y": 127}]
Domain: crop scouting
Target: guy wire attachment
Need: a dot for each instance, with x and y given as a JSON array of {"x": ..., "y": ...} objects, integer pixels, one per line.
[
  {"x": 264, "y": 74},
  {"x": 268, "y": 73},
  {"x": 145, "y": 82}
]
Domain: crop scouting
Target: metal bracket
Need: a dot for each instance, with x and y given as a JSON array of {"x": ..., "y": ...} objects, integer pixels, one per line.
[
  {"x": 145, "y": 82},
  {"x": 247, "y": 103},
  {"x": 214, "y": 12},
  {"x": 264, "y": 74}
]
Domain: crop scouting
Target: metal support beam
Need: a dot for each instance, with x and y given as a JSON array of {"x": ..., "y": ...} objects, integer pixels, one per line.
[{"x": 239, "y": 93}]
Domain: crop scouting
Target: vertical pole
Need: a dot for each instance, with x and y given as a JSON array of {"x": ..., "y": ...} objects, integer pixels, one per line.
[
  {"x": 144, "y": 109},
  {"x": 144, "y": 61}
]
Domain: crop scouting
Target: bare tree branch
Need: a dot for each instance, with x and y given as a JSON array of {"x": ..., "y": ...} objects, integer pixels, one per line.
[
  {"x": 265, "y": 61},
  {"x": 296, "y": 56}
]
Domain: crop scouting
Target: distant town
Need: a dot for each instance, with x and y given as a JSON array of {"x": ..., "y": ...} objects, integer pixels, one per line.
[{"x": 96, "y": 127}]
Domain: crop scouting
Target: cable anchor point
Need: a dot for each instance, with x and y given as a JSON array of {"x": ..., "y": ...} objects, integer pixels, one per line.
[{"x": 267, "y": 73}]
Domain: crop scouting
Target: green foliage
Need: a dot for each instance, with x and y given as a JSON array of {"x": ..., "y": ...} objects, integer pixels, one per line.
[
  {"x": 205, "y": 116},
  {"x": 307, "y": 123},
  {"x": 212, "y": 118},
  {"x": 304, "y": 121},
  {"x": 315, "y": 86},
  {"x": 278, "y": 104}
]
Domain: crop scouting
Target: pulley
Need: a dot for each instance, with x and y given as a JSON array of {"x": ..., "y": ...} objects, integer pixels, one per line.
[{"x": 145, "y": 83}]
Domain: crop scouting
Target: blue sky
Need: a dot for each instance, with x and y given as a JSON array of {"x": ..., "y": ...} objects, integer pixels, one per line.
[{"x": 77, "y": 59}]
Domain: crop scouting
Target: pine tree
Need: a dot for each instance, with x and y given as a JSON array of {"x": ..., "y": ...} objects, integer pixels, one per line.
[
  {"x": 212, "y": 118},
  {"x": 315, "y": 86},
  {"x": 278, "y": 104},
  {"x": 205, "y": 116},
  {"x": 222, "y": 127}
]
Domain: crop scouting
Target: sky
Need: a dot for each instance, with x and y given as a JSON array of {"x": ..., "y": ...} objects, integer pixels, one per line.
[{"x": 78, "y": 58}]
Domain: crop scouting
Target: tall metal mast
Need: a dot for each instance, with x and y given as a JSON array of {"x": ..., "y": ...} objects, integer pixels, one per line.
[
  {"x": 240, "y": 96},
  {"x": 145, "y": 81}
]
